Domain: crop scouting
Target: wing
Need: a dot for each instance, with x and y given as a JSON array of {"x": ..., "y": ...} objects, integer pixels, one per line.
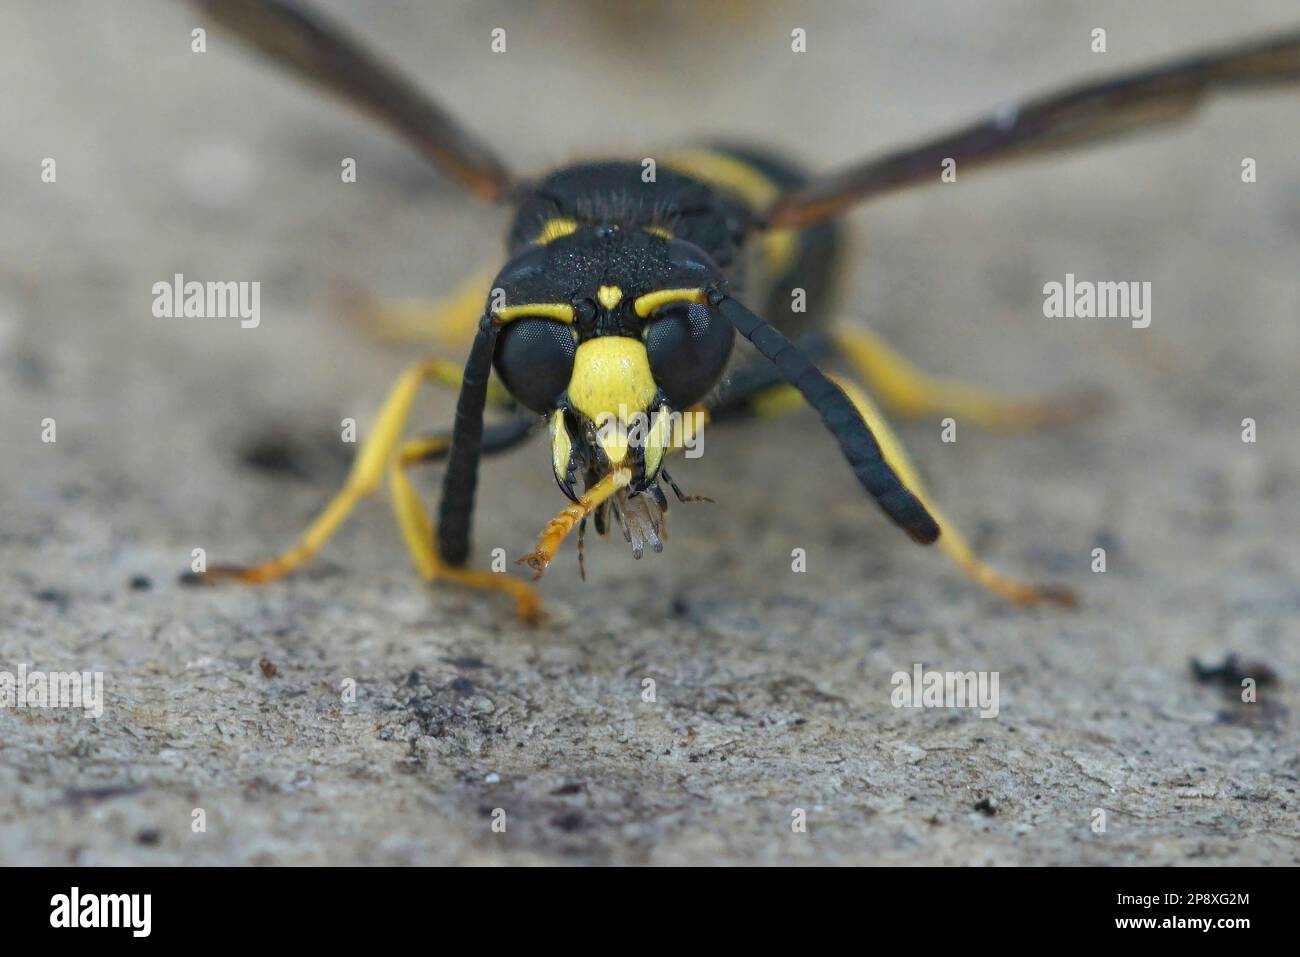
[
  {"x": 305, "y": 42},
  {"x": 1074, "y": 117}
]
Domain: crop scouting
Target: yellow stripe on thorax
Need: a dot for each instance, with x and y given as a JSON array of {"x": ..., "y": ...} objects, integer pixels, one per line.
[
  {"x": 557, "y": 228},
  {"x": 734, "y": 175}
]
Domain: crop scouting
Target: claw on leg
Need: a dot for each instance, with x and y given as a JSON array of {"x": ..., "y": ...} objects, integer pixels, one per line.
[{"x": 317, "y": 534}]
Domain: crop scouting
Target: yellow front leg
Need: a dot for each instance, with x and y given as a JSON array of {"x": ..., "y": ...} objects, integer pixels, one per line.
[
  {"x": 381, "y": 453},
  {"x": 911, "y": 393},
  {"x": 363, "y": 479},
  {"x": 417, "y": 531}
]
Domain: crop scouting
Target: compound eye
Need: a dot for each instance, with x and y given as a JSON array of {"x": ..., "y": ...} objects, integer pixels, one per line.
[
  {"x": 688, "y": 344},
  {"x": 534, "y": 358}
]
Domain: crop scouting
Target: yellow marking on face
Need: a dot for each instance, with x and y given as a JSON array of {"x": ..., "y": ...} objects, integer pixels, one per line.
[
  {"x": 752, "y": 185},
  {"x": 612, "y": 437},
  {"x": 645, "y": 305},
  {"x": 555, "y": 229},
  {"x": 609, "y": 296},
  {"x": 559, "y": 311},
  {"x": 611, "y": 383},
  {"x": 561, "y": 445},
  {"x": 661, "y": 231},
  {"x": 658, "y": 441}
]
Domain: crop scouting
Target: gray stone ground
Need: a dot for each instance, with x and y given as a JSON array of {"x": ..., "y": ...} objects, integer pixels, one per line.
[{"x": 772, "y": 687}]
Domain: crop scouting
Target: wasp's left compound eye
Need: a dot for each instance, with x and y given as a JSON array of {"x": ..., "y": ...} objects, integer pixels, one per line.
[
  {"x": 534, "y": 358},
  {"x": 688, "y": 344}
]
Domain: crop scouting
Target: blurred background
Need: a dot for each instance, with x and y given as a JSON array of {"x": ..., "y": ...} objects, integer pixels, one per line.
[{"x": 774, "y": 687}]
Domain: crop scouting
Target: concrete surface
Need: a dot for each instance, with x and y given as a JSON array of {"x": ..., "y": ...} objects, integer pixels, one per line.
[{"x": 772, "y": 688}]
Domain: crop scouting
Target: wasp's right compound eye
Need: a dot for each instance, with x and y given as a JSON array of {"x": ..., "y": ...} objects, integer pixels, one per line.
[
  {"x": 534, "y": 358},
  {"x": 688, "y": 344}
]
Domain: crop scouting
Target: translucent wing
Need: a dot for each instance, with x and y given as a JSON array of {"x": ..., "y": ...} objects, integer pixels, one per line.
[
  {"x": 1077, "y": 116},
  {"x": 304, "y": 41}
]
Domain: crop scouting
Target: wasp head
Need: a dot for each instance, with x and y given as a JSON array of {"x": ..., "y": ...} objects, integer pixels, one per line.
[{"x": 614, "y": 339}]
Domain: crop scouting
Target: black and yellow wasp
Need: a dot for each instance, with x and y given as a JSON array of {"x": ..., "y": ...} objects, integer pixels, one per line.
[{"x": 627, "y": 281}]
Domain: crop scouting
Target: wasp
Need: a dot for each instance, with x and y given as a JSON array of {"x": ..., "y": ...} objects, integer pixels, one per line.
[{"x": 615, "y": 316}]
